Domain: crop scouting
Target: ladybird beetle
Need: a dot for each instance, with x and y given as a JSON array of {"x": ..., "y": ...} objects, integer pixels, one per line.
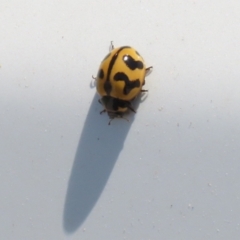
[{"x": 120, "y": 78}]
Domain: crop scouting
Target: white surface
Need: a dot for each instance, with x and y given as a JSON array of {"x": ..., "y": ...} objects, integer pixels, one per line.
[{"x": 171, "y": 173}]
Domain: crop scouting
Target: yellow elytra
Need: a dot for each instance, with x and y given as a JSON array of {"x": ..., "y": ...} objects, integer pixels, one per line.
[{"x": 120, "y": 79}]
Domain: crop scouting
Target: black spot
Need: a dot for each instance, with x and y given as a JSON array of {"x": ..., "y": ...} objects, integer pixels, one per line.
[
  {"x": 101, "y": 74},
  {"x": 131, "y": 63},
  {"x": 107, "y": 87},
  {"x": 129, "y": 85}
]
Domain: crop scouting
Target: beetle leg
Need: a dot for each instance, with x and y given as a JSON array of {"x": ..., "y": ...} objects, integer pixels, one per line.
[
  {"x": 109, "y": 123},
  {"x": 148, "y": 70},
  {"x": 111, "y": 46},
  {"x": 130, "y": 107},
  {"x": 103, "y": 111}
]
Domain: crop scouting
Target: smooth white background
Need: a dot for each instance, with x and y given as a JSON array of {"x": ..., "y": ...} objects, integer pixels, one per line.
[{"x": 172, "y": 172}]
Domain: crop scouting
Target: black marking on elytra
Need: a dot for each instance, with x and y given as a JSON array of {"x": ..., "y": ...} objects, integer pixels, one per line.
[
  {"x": 107, "y": 87},
  {"x": 129, "y": 85},
  {"x": 131, "y": 63},
  {"x": 100, "y": 74},
  {"x": 107, "y": 84}
]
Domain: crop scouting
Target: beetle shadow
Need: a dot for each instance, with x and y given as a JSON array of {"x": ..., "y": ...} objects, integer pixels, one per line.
[{"x": 97, "y": 152}]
